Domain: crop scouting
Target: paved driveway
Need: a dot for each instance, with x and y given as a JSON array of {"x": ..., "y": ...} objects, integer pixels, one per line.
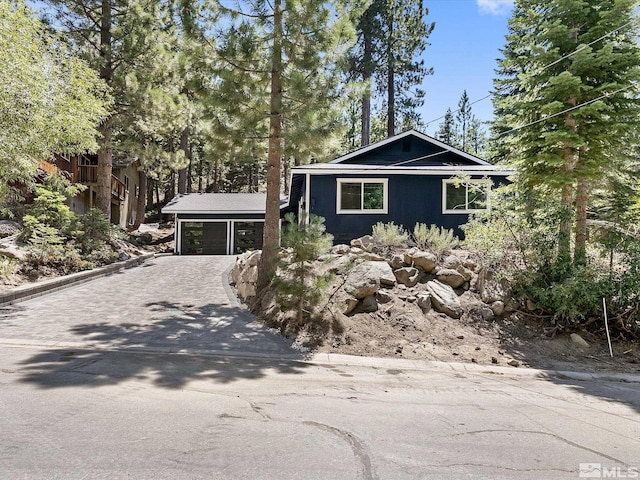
[{"x": 169, "y": 303}]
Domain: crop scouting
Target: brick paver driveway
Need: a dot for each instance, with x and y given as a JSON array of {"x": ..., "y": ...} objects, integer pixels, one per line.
[{"x": 169, "y": 303}]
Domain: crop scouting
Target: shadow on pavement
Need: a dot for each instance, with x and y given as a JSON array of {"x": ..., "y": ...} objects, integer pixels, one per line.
[{"x": 144, "y": 350}]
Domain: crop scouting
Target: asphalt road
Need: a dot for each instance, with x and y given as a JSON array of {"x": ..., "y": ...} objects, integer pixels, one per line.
[{"x": 76, "y": 414}]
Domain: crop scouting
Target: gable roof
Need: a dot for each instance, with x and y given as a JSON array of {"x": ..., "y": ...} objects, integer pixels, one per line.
[{"x": 441, "y": 148}]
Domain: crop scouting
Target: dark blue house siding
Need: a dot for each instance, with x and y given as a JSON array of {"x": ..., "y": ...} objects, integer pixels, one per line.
[{"x": 412, "y": 199}]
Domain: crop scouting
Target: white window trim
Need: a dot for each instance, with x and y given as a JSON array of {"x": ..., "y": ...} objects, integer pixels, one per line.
[
  {"x": 385, "y": 195},
  {"x": 475, "y": 210}
]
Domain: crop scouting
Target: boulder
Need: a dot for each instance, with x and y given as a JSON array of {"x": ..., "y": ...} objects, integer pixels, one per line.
[
  {"x": 340, "y": 249},
  {"x": 465, "y": 272},
  {"x": 369, "y": 304},
  {"x": 451, "y": 261},
  {"x": 364, "y": 279},
  {"x": 424, "y": 301},
  {"x": 578, "y": 340},
  {"x": 372, "y": 257},
  {"x": 246, "y": 290},
  {"x": 444, "y": 299},
  {"x": 383, "y": 297},
  {"x": 365, "y": 243},
  {"x": 491, "y": 289},
  {"x": 407, "y": 276},
  {"x": 451, "y": 277},
  {"x": 497, "y": 307},
  {"x": 397, "y": 261},
  {"x": 425, "y": 260},
  {"x": 349, "y": 305},
  {"x": 9, "y": 249},
  {"x": 9, "y": 228}
]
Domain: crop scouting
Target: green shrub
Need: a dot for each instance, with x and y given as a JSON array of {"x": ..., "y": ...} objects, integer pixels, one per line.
[
  {"x": 93, "y": 231},
  {"x": 390, "y": 234},
  {"x": 437, "y": 239}
]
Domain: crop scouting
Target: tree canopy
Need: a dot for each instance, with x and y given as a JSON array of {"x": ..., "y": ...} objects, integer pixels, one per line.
[{"x": 50, "y": 100}]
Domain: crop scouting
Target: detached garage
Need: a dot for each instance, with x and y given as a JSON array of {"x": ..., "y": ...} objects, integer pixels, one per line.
[{"x": 217, "y": 223}]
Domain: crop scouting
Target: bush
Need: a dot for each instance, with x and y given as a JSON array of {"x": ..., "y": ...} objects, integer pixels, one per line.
[
  {"x": 390, "y": 234},
  {"x": 521, "y": 245},
  {"x": 93, "y": 232},
  {"x": 437, "y": 239}
]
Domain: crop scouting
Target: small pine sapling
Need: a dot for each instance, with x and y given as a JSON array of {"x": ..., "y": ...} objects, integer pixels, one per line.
[{"x": 298, "y": 284}]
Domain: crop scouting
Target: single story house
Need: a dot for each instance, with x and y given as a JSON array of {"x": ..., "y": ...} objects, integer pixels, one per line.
[
  {"x": 406, "y": 179},
  {"x": 217, "y": 223}
]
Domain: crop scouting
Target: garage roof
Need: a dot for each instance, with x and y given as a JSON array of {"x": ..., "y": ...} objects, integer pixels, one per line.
[{"x": 217, "y": 203}]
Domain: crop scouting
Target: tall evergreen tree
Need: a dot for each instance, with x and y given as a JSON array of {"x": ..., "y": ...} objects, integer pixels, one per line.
[
  {"x": 566, "y": 101},
  {"x": 279, "y": 82},
  {"x": 463, "y": 116},
  {"x": 392, "y": 35},
  {"x": 116, "y": 36},
  {"x": 447, "y": 130}
]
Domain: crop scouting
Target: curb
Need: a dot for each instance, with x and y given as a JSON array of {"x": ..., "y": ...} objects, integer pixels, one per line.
[
  {"x": 324, "y": 359},
  {"x": 432, "y": 365},
  {"x": 26, "y": 292}
]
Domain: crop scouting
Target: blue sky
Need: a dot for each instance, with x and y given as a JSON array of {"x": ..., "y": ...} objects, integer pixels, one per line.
[{"x": 463, "y": 50}]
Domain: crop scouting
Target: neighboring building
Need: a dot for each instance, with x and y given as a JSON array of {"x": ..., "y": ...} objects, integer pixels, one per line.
[
  {"x": 406, "y": 179},
  {"x": 125, "y": 185},
  {"x": 217, "y": 223}
]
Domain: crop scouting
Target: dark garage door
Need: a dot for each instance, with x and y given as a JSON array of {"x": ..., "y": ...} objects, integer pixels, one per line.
[
  {"x": 204, "y": 238},
  {"x": 247, "y": 236}
]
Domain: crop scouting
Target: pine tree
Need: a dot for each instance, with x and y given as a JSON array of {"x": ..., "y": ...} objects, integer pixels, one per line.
[
  {"x": 447, "y": 130},
  {"x": 391, "y": 36},
  {"x": 280, "y": 83},
  {"x": 463, "y": 116},
  {"x": 116, "y": 37},
  {"x": 565, "y": 99}
]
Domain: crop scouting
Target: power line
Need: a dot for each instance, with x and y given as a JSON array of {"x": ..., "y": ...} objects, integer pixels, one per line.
[
  {"x": 566, "y": 110},
  {"x": 542, "y": 69}
]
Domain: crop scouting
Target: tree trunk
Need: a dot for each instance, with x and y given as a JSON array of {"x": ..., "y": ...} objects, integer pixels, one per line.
[
  {"x": 183, "y": 172},
  {"x": 580, "y": 252},
  {"x": 271, "y": 234},
  {"x": 569, "y": 153},
  {"x": 367, "y": 61},
  {"x": 141, "y": 202},
  {"x": 105, "y": 152},
  {"x": 391, "y": 86},
  {"x": 105, "y": 170}
]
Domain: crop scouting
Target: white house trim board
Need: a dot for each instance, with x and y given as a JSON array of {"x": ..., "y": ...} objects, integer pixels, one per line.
[
  {"x": 328, "y": 169},
  {"x": 307, "y": 195},
  {"x": 363, "y": 181}
]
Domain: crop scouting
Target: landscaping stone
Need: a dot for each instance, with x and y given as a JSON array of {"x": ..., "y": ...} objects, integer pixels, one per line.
[
  {"x": 450, "y": 277},
  {"x": 425, "y": 260},
  {"x": 444, "y": 299},
  {"x": 407, "y": 276}
]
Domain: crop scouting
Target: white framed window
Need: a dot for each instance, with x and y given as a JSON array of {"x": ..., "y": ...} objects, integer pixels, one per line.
[
  {"x": 465, "y": 197},
  {"x": 362, "y": 195}
]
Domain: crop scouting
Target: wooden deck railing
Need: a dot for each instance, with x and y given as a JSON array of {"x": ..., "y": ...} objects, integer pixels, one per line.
[
  {"x": 47, "y": 167},
  {"x": 89, "y": 174}
]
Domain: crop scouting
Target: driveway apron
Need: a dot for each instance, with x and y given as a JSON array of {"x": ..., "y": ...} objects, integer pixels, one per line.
[{"x": 170, "y": 303}]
